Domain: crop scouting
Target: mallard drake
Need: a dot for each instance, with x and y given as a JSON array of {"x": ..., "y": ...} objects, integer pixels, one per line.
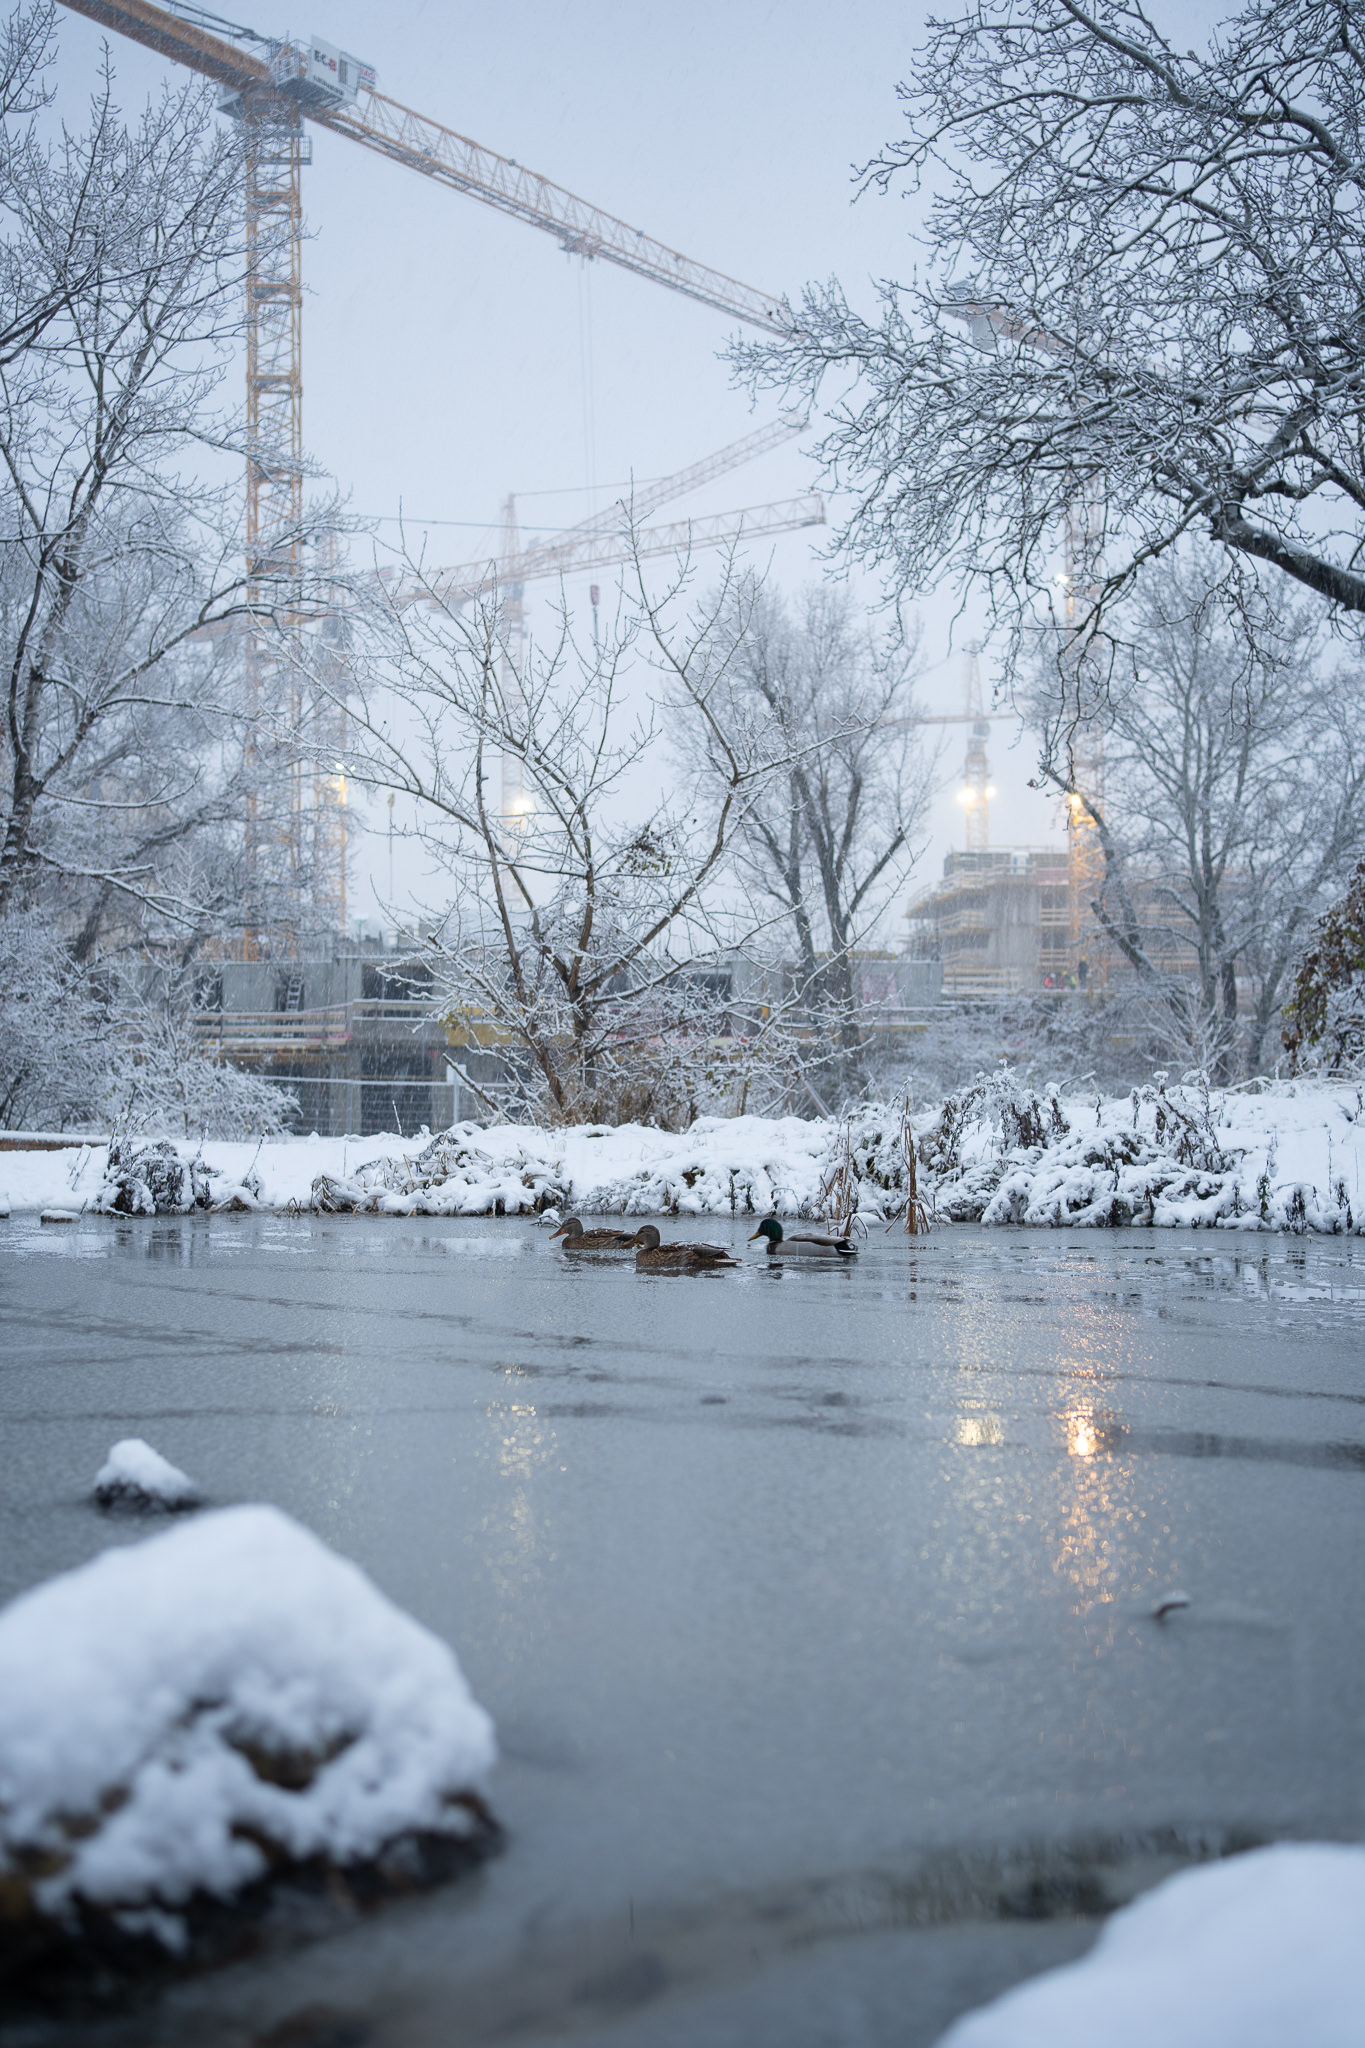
[
  {"x": 804, "y": 1245},
  {"x": 577, "y": 1239},
  {"x": 678, "y": 1258}
]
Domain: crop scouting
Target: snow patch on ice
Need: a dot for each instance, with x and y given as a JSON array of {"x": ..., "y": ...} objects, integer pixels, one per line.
[
  {"x": 1262, "y": 1951},
  {"x": 135, "y": 1475},
  {"x": 179, "y": 1715}
]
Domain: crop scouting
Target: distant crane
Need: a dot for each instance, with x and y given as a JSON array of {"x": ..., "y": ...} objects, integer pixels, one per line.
[
  {"x": 272, "y": 87},
  {"x": 608, "y": 538}
]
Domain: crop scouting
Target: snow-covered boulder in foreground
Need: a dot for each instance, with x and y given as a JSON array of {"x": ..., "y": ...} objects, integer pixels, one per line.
[
  {"x": 135, "y": 1476},
  {"x": 1266, "y": 1950},
  {"x": 192, "y": 1725}
]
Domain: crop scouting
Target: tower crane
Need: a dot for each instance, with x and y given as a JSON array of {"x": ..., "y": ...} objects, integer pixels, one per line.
[
  {"x": 600, "y": 541},
  {"x": 608, "y": 538},
  {"x": 273, "y": 85}
]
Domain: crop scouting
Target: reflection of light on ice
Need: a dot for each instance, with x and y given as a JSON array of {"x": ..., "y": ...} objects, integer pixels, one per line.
[
  {"x": 979, "y": 1429},
  {"x": 521, "y": 1442},
  {"x": 1099, "y": 1527},
  {"x": 517, "y": 1541},
  {"x": 1082, "y": 1437}
]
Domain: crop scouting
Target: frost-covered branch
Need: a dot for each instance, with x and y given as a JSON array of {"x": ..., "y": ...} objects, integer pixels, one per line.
[{"x": 1140, "y": 282}]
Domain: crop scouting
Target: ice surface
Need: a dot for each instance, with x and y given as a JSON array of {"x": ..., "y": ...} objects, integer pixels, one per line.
[
  {"x": 1266, "y": 1950},
  {"x": 134, "y": 1472},
  {"x": 172, "y": 1706}
]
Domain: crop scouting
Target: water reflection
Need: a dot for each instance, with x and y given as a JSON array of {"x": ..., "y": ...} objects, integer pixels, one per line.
[
  {"x": 975, "y": 1430},
  {"x": 1083, "y": 1437},
  {"x": 521, "y": 1446}
]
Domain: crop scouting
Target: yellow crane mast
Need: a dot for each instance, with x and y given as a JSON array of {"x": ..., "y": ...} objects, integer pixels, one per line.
[{"x": 273, "y": 85}]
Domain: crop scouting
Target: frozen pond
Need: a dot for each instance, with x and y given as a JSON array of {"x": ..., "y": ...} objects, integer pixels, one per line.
[{"x": 814, "y": 1607}]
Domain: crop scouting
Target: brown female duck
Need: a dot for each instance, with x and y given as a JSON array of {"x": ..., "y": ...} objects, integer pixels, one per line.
[
  {"x": 577, "y": 1239},
  {"x": 653, "y": 1256}
]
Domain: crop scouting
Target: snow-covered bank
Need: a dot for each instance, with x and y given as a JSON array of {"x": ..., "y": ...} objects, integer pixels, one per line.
[
  {"x": 1282, "y": 1156},
  {"x": 183, "y": 1717},
  {"x": 1263, "y": 1951}
]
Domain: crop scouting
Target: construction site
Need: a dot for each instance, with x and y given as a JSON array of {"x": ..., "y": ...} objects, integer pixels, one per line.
[{"x": 352, "y": 1026}]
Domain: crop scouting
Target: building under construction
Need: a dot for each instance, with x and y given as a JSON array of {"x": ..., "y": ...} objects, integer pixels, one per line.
[
  {"x": 353, "y": 1034},
  {"x": 999, "y": 922}
]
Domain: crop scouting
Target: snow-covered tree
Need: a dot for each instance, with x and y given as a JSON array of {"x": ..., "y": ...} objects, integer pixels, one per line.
[
  {"x": 827, "y": 843},
  {"x": 1324, "y": 1019},
  {"x": 128, "y": 752},
  {"x": 51, "y": 1029},
  {"x": 123, "y": 265},
  {"x": 1233, "y": 804},
  {"x": 584, "y": 928},
  {"x": 1138, "y": 288}
]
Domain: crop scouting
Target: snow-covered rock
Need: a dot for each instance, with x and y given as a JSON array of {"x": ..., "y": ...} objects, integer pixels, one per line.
[
  {"x": 134, "y": 1475},
  {"x": 187, "y": 1718},
  {"x": 1266, "y": 1950}
]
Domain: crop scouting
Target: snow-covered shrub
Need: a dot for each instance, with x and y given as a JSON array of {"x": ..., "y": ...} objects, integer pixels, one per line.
[
  {"x": 157, "y": 1081},
  {"x": 151, "y": 1180},
  {"x": 1324, "y": 1019},
  {"x": 157, "y": 1179},
  {"x": 192, "y": 1722},
  {"x": 454, "y": 1175},
  {"x": 89, "y": 1046}
]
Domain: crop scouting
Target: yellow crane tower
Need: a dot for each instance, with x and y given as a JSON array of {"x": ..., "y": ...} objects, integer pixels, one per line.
[{"x": 273, "y": 85}]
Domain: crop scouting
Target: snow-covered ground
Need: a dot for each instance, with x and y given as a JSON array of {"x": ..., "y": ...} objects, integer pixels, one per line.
[
  {"x": 179, "y": 1715},
  {"x": 1266, "y": 1950},
  {"x": 1284, "y": 1155}
]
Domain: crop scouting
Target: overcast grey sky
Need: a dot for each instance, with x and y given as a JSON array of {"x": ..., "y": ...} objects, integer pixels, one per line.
[{"x": 446, "y": 360}]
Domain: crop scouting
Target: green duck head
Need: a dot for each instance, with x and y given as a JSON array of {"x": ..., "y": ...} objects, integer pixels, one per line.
[{"x": 769, "y": 1228}]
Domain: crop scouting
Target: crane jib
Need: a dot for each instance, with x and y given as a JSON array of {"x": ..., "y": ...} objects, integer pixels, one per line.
[{"x": 405, "y": 137}]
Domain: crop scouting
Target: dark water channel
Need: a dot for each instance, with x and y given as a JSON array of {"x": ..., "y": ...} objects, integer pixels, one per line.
[{"x": 814, "y": 1607}]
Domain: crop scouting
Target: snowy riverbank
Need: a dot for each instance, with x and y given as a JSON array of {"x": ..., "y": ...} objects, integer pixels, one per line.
[{"x": 1280, "y": 1156}]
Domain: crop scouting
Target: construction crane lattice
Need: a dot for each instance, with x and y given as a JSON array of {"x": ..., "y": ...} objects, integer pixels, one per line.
[{"x": 273, "y": 87}]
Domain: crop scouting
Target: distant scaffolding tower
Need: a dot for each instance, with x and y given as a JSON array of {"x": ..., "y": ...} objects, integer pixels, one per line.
[
  {"x": 276, "y": 150},
  {"x": 1085, "y": 745}
]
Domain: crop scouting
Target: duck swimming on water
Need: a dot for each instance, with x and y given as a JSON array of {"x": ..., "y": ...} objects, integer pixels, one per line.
[
  {"x": 804, "y": 1245},
  {"x": 577, "y": 1239},
  {"x": 655, "y": 1256}
]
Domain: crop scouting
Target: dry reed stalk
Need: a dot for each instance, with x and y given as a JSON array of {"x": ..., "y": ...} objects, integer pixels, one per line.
[{"x": 918, "y": 1220}]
